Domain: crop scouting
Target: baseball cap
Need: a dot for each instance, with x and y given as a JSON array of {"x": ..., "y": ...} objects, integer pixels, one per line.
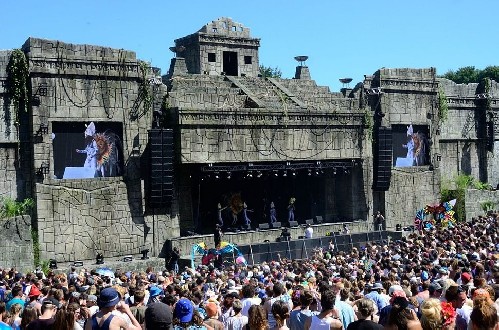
[
  {"x": 158, "y": 315},
  {"x": 435, "y": 287},
  {"x": 184, "y": 310},
  {"x": 108, "y": 297}
]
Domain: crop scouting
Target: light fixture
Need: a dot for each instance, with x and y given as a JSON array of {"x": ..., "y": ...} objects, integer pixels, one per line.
[
  {"x": 52, "y": 264},
  {"x": 217, "y": 176},
  {"x": 294, "y": 173},
  {"x": 309, "y": 172},
  {"x": 250, "y": 174},
  {"x": 259, "y": 174},
  {"x": 334, "y": 170},
  {"x": 229, "y": 175},
  {"x": 276, "y": 173},
  {"x": 144, "y": 254},
  {"x": 285, "y": 173},
  {"x": 99, "y": 259}
]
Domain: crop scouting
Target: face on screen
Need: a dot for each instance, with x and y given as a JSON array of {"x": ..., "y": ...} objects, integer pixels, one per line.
[
  {"x": 410, "y": 145},
  {"x": 87, "y": 150}
]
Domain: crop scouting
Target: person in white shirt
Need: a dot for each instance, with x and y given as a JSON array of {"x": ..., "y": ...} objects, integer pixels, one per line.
[{"x": 309, "y": 231}]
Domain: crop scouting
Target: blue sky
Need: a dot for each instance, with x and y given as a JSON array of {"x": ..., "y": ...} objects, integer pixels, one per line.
[{"x": 342, "y": 38}]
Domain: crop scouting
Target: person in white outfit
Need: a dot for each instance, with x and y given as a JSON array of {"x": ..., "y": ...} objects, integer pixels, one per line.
[{"x": 328, "y": 319}]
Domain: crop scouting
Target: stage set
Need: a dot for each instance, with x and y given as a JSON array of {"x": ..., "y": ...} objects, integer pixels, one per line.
[{"x": 257, "y": 246}]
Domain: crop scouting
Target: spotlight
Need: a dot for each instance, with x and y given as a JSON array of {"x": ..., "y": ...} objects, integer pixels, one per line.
[
  {"x": 309, "y": 172},
  {"x": 294, "y": 173},
  {"x": 334, "y": 170},
  {"x": 99, "y": 259},
  {"x": 285, "y": 173},
  {"x": 250, "y": 174},
  {"x": 52, "y": 264},
  {"x": 217, "y": 176},
  {"x": 276, "y": 173},
  {"x": 316, "y": 172},
  {"x": 259, "y": 174},
  {"x": 144, "y": 254},
  {"x": 229, "y": 174}
]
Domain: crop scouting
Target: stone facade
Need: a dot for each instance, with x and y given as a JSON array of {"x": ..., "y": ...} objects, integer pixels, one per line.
[
  {"x": 474, "y": 198},
  {"x": 228, "y": 120},
  {"x": 16, "y": 243}
]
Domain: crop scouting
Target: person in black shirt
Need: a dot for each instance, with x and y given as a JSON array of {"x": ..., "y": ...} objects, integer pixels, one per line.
[
  {"x": 218, "y": 236},
  {"x": 174, "y": 258},
  {"x": 365, "y": 310}
]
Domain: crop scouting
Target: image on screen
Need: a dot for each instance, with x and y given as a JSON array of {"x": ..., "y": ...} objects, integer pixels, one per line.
[
  {"x": 410, "y": 145},
  {"x": 87, "y": 149}
]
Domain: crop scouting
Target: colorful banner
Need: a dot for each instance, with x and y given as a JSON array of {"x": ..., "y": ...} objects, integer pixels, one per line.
[{"x": 225, "y": 248}]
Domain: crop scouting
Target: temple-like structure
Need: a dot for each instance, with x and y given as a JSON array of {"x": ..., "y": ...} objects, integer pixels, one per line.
[{"x": 119, "y": 158}]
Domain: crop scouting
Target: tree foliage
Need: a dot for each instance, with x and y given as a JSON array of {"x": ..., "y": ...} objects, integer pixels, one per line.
[
  {"x": 469, "y": 74},
  {"x": 269, "y": 72}
]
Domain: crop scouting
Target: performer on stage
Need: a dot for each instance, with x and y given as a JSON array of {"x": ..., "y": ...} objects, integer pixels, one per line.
[
  {"x": 379, "y": 221},
  {"x": 90, "y": 147},
  {"x": 217, "y": 236},
  {"x": 246, "y": 220},
  {"x": 273, "y": 213},
  {"x": 220, "y": 220},
  {"x": 291, "y": 209}
]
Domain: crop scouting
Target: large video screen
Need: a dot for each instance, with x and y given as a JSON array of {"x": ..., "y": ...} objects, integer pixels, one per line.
[
  {"x": 410, "y": 145},
  {"x": 87, "y": 149}
]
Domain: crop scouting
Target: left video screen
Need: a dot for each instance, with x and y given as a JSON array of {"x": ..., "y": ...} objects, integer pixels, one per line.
[{"x": 85, "y": 150}]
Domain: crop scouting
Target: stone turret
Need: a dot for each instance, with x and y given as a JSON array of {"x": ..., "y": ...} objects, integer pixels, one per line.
[{"x": 220, "y": 47}]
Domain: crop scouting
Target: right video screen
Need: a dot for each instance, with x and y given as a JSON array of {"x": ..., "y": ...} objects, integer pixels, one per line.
[{"x": 410, "y": 145}]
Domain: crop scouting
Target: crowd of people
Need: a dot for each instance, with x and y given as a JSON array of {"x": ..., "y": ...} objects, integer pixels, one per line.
[{"x": 440, "y": 278}]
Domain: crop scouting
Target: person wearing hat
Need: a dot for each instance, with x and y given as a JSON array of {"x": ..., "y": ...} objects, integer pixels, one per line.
[
  {"x": 33, "y": 295},
  {"x": 158, "y": 316},
  {"x": 109, "y": 300},
  {"x": 46, "y": 320},
  {"x": 435, "y": 290},
  {"x": 375, "y": 296},
  {"x": 184, "y": 316},
  {"x": 92, "y": 304}
]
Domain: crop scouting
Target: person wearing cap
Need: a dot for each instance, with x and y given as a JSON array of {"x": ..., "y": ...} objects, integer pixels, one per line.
[
  {"x": 184, "y": 316},
  {"x": 92, "y": 304},
  {"x": 46, "y": 320},
  {"x": 435, "y": 290},
  {"x": 109, "y": 301},
  {"x": 376, "y": 297},
  {"x": 158, "y": 316}
]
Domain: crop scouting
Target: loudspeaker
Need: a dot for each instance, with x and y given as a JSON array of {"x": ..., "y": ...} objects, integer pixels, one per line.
[
  {"x": 293, "y": 223},
  {"x": 263, "y": 226},
  {"x": 318, "y": 219},
  {"x": 309, "y": 221},
  {"x": 276, "y": 224},
  {"x": 382, "y": 160},
  {"x": 161, "y": 164}
]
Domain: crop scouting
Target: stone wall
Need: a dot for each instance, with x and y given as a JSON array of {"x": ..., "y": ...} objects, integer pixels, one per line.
[
  {"x": 474, "y": 198},
  {"x": 16, "y": 243},
  {"x": 411, "y": 188}
]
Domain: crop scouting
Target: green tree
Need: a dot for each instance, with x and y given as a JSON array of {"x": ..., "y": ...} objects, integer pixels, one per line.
[
  {"x": 469, "y": 74},
  {"x": 269, "y": 72}
]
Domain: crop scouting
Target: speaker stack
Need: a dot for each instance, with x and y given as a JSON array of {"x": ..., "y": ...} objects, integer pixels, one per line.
[
  {"x": 161, "y": 162},
  {"x": 382, "y": 159}
]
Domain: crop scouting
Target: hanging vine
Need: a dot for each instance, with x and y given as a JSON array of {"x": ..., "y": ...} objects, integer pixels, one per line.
[
  {"x": 443, "y": 106},
  {"x": 144, "y": 88},
  {"x": 17, "y": 82}
]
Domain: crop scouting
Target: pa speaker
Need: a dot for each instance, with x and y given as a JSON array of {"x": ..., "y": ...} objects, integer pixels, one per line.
[
  {"x": 161, "y": 167},
  {"x": 382, "y": 159},
  {"x": 318, "y": 219},
  {"x": 293, "y": 223},
  {"x": 263, "y": 226},
  {"x": 309, "y": 221},
  {"x": 276, "y": 224}
]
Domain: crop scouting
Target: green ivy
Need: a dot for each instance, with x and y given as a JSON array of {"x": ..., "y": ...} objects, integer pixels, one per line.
[
  {"x": 145, "y": 92},
  {"x": 17, "y": 81},
  {"x": 369, "y": 123},
  {"x": 443, "y": 106},
  {"x": 10, "y": 208}
]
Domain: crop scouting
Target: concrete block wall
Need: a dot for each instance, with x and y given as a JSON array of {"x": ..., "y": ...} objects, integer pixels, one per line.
[
  {"x": 16, "y": 244},
  {"x": 474, "y": 197}
]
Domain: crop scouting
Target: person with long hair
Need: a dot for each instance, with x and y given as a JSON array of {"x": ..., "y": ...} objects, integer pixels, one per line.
[
  {"x": 437, "y": 315},
  {"x": 484, "y": 315},
  {"x": 257, "y": 318},
  {"x": 15, "y": 311},
  {"x": 280, "y": 310},
  {"x": 67, "y": 317},
  {"x": 402, "y": 317},
  {"x": 29, "y": 314}
]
